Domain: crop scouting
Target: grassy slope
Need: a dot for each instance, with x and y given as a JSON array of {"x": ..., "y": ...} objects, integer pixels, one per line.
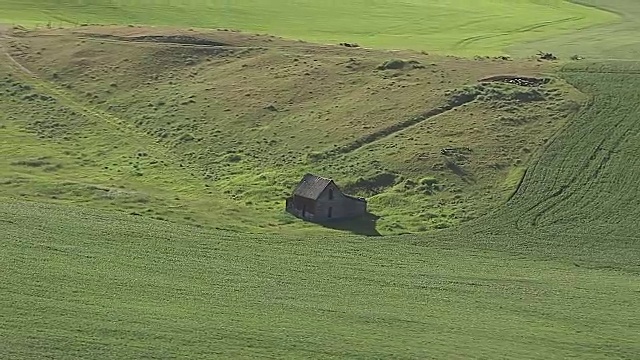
[
  {"x": 95, "y": 159},
  {"x": 553, "y": 275},
  {"x": 206, "y": 107},
  {"x": 581, "y": 190},
  {"x": 104, "y": 285},
  {"x": 594, "y": 181},
  {"x": 612, "y": 41},
  {"x": 484, "y": 27}
]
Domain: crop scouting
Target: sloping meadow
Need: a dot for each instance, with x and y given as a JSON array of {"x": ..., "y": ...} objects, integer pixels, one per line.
[{"x": 420, "y": 136}]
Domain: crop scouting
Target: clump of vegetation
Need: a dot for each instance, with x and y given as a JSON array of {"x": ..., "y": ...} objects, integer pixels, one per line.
[
  {"x": 394, "y": 64},
  {"x": 397, "y": 64},
  {"x": 496, "y": 93},
  {"x": 372, "y": 185},
  {"x": 37, "y": 162},
  {"x": 231, "y": 158},
  {"x": 429, "y": 185},
  {"x": 464, "y": 95}
]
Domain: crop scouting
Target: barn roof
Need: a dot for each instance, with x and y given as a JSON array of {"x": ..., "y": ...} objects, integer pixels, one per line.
[
  {"x": 355, "y": 197},
  {"x": 311, "y": 186}
]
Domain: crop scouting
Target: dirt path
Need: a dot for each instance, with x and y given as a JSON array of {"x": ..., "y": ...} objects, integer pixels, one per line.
[
  {"x": 5, "y": 36},
  {"x": 395, "y": 128},
  {"x": 13, "y": 62}
]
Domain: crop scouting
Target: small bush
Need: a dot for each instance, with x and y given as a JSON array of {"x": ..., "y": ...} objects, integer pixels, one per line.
[
  {"x": 233, "y": 158},
  {"x": 394, "y": 64},
  {"x": 315, "y": 156},
  {"x": 428, "y": 181},
  {"x": 39, "y": 162},
  {"x": 186, "y": 138}
]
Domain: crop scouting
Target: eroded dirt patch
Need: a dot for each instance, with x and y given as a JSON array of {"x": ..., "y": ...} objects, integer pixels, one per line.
[
  {"x": 163, "y": 39},
  {"x": 517, "y": 80}
]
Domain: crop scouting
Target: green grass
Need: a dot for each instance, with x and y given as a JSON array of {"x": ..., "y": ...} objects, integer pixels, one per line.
[
  {"x": 95, "y": 138},
  {"x": 554, "y": 274},
  {"x": 595, "y": 158},
  {"x": 614, "y": 41},
  {"x": 460, "y": 26},
  {"x": 103, "y": 285},
  {"x": 206, "y": 109},
  {"x": 57, "y": 150}
]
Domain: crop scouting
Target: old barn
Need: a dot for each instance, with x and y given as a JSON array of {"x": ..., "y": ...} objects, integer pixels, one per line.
[{"x": 319, "y": 199}]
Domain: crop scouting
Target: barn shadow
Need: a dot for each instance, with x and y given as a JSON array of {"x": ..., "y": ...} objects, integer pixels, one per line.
[{"x": 364, "y": 225}]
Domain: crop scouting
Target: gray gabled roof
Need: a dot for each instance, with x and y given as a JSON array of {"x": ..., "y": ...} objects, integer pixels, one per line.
[{"x": 311, "y": 186}]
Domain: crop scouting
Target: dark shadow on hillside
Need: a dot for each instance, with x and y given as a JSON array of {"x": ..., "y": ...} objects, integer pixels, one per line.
[{"x": 364, "y": 225}]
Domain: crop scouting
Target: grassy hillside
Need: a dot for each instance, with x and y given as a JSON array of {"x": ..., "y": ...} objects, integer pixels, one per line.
[
  {"x": 593, "y": 164},
  {"x": 184, "y": 129},
  {"x": 553, "y": 274},
  {"x": 472, "y": 28},
  {"x": 142, "y": 176},
  {"x": 581, "y": 191},
  {"x": 104, "y": 285}
]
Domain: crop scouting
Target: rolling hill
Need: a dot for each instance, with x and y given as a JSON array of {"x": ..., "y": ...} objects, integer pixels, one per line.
[
  {"x": 143, "y": 170},
  {"x": 240, "y": 118}
]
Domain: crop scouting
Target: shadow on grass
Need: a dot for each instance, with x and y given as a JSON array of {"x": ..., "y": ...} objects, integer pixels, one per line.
[{"x": 364, "y": 225}]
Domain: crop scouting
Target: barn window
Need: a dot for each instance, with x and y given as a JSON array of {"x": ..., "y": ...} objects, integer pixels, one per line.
[{"x": 330, "y": 194}]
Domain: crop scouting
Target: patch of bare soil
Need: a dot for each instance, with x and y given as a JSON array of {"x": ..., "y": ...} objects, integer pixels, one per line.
[
  {"x": 164, "y": 39},
  {"x": 517, "y": 80},
  {"x": 176, "y": 36},
  {"x": 6, "y": 32}
]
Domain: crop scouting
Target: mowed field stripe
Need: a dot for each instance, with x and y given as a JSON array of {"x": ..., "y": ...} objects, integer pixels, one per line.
[
  {"x": 429, "y": 26},
  {"x": 592, "y": 164},
  {"x": 464, "y": 43}
]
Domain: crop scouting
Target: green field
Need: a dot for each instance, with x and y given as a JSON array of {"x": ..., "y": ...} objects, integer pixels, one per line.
[
  {"x": 484, "y": 27},
  {"x": 142, "y": 182},
  {"x": 83, "y": 284},
  {"x": 614, "y": 41},
  {"x": 182, "y": 133}
]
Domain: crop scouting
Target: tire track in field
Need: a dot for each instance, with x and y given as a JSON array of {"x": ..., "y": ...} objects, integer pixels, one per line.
[
  {"x": 601, "y": 160},
  {"x": 578, "y": 186},
  {"x": 561, "y": 194},
  {"x": 537, "y": 167},
  {"x": 468, "y": 24},
  {"x": 560, "y": 190},
  {"x": 12, "y": 61},
  {"x": 464, "y": 43},
  {"x": 581, "y": 179}
]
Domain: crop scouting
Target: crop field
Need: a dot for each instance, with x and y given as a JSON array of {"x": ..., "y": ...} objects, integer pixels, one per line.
[
  {"x": 143, "y": 172},
  {"x": 596, "y": 157},
  {"x": 483, "y": 27},
  {"x": 105, "y": 285},
  {"x": 617, "y": 40}
]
